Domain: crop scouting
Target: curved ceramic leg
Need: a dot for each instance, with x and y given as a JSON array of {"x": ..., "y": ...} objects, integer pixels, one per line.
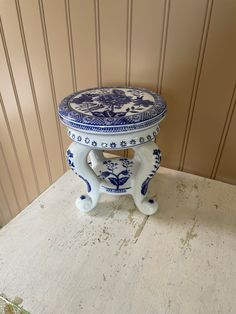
[
  {"x": 149, "y": 156},
  {"x": 77, "y": 158},
  {"x": 96, "y": 156}
]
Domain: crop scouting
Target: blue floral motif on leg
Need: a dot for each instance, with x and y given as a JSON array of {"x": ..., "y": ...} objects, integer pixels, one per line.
[
  {"x": 156, "y": 165},
  {"x": 70, "y": 160},
  {"x": 149, "y": 157},
  {"x": 77, "y": 159},
  {"x": 86, "y": 181}
]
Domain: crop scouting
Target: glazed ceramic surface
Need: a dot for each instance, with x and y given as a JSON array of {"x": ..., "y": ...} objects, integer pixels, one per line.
[
  {"x": 109, "y": 110},
  {"x": 114, "y": 118}
]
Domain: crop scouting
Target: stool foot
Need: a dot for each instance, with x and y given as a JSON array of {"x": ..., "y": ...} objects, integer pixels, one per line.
[
  {"x": 148, "y": 206},
  {"x": 85, "y": 203}
]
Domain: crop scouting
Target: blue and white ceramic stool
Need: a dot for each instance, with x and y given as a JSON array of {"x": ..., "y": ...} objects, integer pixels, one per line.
[{"x": 114, "y": 118}]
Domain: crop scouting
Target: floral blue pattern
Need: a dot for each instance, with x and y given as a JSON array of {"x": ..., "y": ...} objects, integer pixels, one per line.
[
  {"x": 109, "y": 103},
  {"x": 88, "y": 140},
  {"x": 98, "y": 108},
  {"x": 156, "y": 165},
  {"x": 86, "y": 181},
  {"x": 112, "y": 145},
  {"x": 70, "y": 161},
  {"x": 117, "y": 178},
  {"x": 94, "y": 143}
]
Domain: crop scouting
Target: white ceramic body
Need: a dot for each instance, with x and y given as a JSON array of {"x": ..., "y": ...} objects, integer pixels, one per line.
[
  {"x": 116, "y": 176},
  {"x": 113, "y": 118},
  {"x": 114, "y": 141}
]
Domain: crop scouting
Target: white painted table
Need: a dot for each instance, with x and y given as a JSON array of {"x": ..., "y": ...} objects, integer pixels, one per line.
[{"x": 116, "y": 260}]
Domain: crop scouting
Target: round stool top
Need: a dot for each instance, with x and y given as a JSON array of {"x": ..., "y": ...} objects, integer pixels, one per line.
[{"x": 112, "y": 109}]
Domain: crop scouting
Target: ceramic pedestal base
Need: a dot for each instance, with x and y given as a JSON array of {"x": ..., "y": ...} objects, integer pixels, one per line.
[{"x": 116, "y": 175}]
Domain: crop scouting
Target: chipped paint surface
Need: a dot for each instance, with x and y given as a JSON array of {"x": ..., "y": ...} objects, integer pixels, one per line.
[
  {"x": 116, "y": 260},
  {"x": 190, "y": 235},
  {"x": 140, "y": 228},
  {"x": 181, "y": 187}
]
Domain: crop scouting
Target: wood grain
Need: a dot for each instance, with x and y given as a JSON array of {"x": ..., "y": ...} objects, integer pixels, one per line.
[
  {"x": 24, "y": 98},
  {"x": 41, "y": 78},
  {"x": 215, "y": 90},
  {"x": 146, "y": 42},
  {"x": 84, "y": 43},
  {"x": 13, "y": 160},
  {"x": 225, "y": 167},
  {"x": 179, "y": 71},
  {"x": 58, "y": 59},
  {"x": 12, "y": 107},
  {"x": 113, "y": 19},
  {"x": 7, "y": 187}
]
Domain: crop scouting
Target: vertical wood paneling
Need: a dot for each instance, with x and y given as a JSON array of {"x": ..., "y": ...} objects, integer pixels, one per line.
[
  {"x": 70, "y": 43},
  {"x": 226, "y": 167},
  {"x": 98, "y": 42},
  {"x": 4, "y": 207},
  {"x": 58, "y": 41},
  {"x": 146, "y": 42},
  {"x": 224, "y": 133},
  {"x": 13, "y": 162},
  {"x": 7, "y": 187},
  {"x": 128, "y": 41},
  {"x": 179, "y": 71},
  {"x": 58, "y": 58},
  {"x": 38, "y": 63},
  {"x": 214, "y": 91},
  {"x": 35, "y": 101},
  {"x": 84, "y": 42},
  {"x": 196, "y": 81},
  {"x": 113, "y": 31},
  {"x": 15, "y": 123},
  {"x": 2, "y": 210},
  {"x": 23, "y": 94},
  {"x": 183, "y": 49},
  {"x": 165, "y": 27}
]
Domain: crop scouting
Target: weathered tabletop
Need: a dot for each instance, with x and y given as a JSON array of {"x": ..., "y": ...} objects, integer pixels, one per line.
[{"x": 116, "y": 260}]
